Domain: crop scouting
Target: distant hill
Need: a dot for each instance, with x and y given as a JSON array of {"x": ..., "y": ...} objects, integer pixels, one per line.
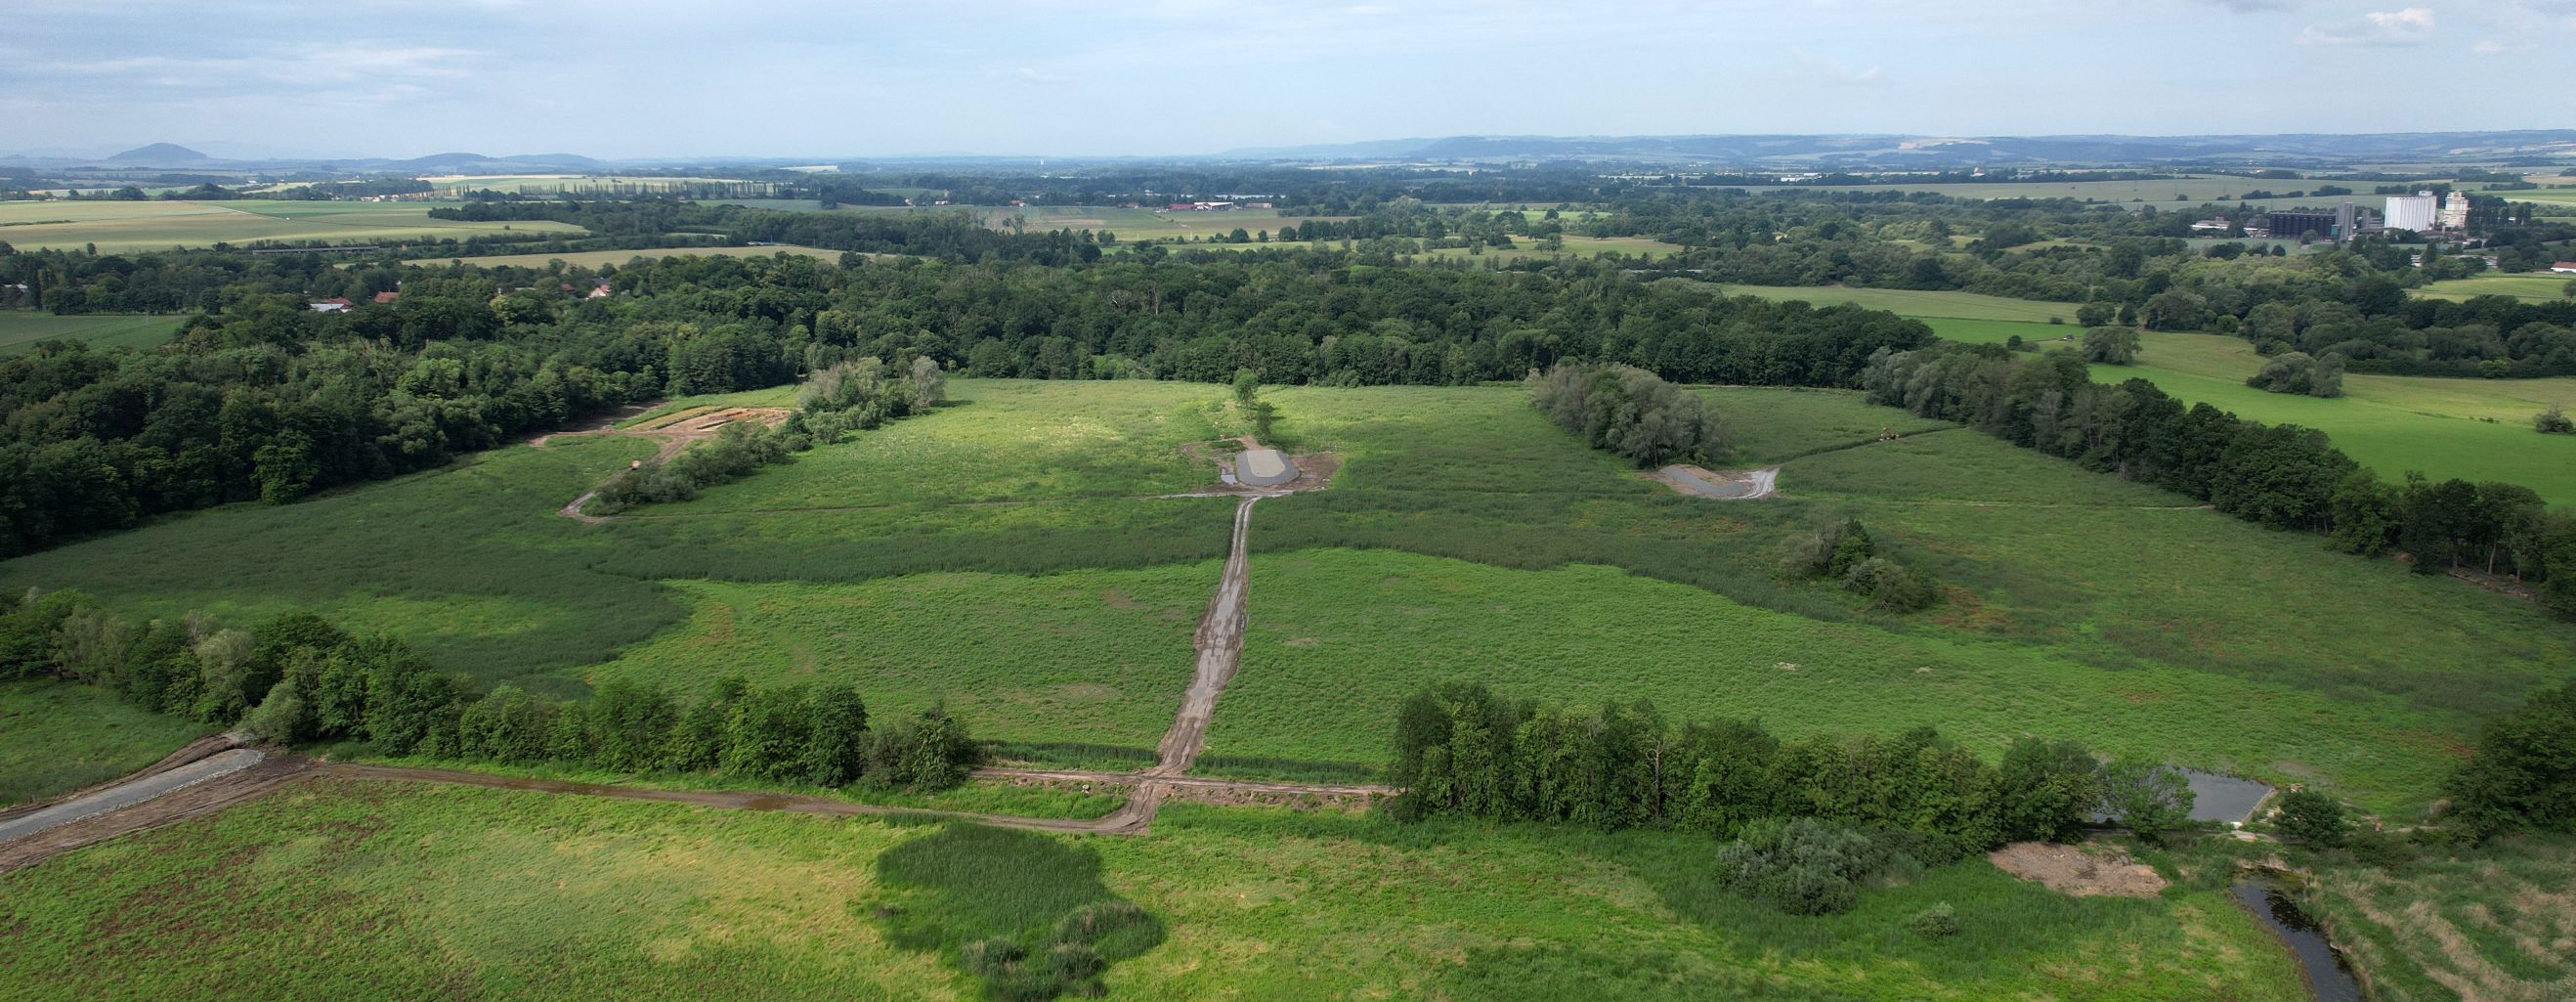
[
  {"x": 1901, "y": 152},
  {"x": 159, "y": 155}
]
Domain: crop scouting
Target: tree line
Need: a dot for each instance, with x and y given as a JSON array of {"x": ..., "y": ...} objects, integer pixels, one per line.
[
  {"x": 1628, "y": 412},
  {"x": 297, "y": 679},
  {"x": 1461, "y": 749},
  {"x": 2278, "y": 476},
  {"x": 848, "y": 396}
]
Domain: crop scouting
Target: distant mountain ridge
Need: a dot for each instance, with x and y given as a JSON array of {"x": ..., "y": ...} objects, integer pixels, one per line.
[
  {"x": 1891, "y": 151},
  {"x": 160, "y": 155}
]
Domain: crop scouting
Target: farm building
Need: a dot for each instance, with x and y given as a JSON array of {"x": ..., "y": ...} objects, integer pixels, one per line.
[
  {"x": 334, "y": 304},
  {"x": 2564, "y": 267},
  {"x": 1263, "y": 468}
]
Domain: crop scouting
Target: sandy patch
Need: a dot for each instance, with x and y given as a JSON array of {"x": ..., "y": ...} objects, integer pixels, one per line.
[{"x": 2069, "y": 869}]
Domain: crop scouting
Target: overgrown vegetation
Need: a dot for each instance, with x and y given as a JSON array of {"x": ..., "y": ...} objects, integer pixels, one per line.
[
  {"x": 1024, "y": 913},
  {"x": 1844, "y": 552}
]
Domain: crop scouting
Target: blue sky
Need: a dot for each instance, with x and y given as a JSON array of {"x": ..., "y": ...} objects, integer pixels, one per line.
[{"x": 642, "y": 78}]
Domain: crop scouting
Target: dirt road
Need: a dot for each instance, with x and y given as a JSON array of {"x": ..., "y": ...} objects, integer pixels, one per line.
[{"x": 1220, "y": 648}]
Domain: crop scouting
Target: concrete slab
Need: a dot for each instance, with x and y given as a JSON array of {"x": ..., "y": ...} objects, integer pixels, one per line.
[{"x": 1263, "y": 468}]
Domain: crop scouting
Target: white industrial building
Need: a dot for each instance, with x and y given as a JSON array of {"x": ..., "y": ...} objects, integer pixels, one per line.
[
  {"x": 2455, "y": 211},
  {"x": 2415, "y": 212}
]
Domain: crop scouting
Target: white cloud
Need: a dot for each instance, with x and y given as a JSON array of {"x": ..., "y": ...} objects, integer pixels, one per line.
[{"x": 2410, "y": 26}]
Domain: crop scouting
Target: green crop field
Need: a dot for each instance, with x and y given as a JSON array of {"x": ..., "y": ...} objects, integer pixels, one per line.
[
  {"x": 149, "y": 226},
  {"x": 1911, "y": 303},
  {"x": 1528, "y": 249},
  {"x": 595, "y": 259},
  {"x": 372, "y": 891},
  {"x": 2476, "y": 429},
  {"x": 456, "y": 185},
  {"x": 2543, "y": 287},
  {"x": 21, "y": 330},
  {"x": 56, "y": 737}
]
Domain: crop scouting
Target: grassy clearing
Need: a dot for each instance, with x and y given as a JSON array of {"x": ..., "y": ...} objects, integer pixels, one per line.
[
  {"x": 999, "y": 440},
  {"x": 370, "y": 891},
  {"x": 22, "y": 330},
  {"x": 1085, "y": 656},
  {"x": 1913, "y": 303},
  {"x": 2477, "y": 429},
  {"x": 2495, "y": 923},
  {"x": 1339, "y": 637},
  {"x": 2542, "y": 288},
  {"x": 146, "y": 226},
  {"x": 1771, "y": 424},
  {"x": 595, "y": 259},
  {"x": 56, "y": 737},
  {"x": 2000, "y": 331}
]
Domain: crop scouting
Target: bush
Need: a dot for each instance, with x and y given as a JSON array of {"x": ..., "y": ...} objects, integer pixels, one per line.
[
  {"x": 1805, "y": 866},
  {"x": 1937, "y": 922},
  {"x": 2523, "y": 775},
  {"x": 2554, "y": 421},
  {"x": 2313, "y": 818}
]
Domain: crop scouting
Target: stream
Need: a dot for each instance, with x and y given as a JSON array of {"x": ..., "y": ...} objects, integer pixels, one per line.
[{"x": 2329, "y": 979}]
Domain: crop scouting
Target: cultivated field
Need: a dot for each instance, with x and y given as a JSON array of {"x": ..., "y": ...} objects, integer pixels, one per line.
[
  {"x": 372, "y": 890},
  {"x": 457, "y": 185},
  {"x": 2163, "y": 193},
  {"x": 596, "y": 259},
  {"x": 21, "y": 330},
  {"x": 148, "y": 226}
]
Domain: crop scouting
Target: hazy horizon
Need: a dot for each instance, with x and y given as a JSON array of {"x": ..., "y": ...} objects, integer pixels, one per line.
[{"x": 400, "y": 79}]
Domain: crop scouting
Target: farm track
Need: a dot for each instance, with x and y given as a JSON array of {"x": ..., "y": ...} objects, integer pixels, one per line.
[{"x": 167, "y": 792}]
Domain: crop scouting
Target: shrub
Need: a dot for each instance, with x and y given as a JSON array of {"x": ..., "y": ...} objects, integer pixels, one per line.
[
  {"x": 1937, "y": 922},
  {"x": 2523, "y": 775},
  {"x": 2313, "y": 818},
  {"x": 1803, "y": 867},
  {"x": 2554, "y": 421}
]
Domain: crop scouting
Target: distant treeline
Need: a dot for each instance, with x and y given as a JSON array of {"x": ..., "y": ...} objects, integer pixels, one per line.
[
  {"x": 2279, "y": 476},
  {"x": 297, "y": 678}
]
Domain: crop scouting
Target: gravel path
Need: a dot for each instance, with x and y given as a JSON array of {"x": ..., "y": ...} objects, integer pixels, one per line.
[{"x": 124, "y": 795}]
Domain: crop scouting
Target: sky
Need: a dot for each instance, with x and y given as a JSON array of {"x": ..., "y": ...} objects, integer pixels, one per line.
[{"x": 879, "y": 78}]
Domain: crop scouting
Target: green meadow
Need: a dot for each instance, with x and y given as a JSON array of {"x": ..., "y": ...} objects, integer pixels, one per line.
[
  {"x": 2542, "y": 287},
  {"x": 117, "y": 227},
  {"x": 22, "y": 330},
  {"x": 2475, "y": 429},
  {"x": 376, "y": 890},
  {"x": 1913, "y": 303}
]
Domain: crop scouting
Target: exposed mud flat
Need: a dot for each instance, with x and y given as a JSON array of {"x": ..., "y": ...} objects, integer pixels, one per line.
[{"x": 2070, "y": 870}]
